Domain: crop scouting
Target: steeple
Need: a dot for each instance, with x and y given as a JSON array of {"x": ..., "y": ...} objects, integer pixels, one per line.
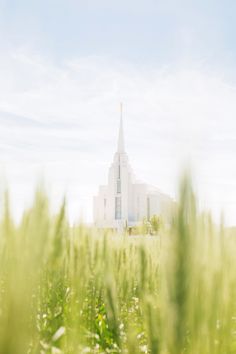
[{"x": 121, "y": 144}]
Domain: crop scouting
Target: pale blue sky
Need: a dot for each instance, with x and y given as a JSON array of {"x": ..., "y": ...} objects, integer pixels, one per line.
[
  {"x": 147, "y": 32},
  {"x": 66, "y": 65}
]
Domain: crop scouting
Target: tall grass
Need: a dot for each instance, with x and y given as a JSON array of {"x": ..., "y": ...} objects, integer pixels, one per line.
[{"x": 78, "y": 290}]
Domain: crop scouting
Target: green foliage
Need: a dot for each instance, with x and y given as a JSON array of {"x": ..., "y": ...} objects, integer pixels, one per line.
[
  {"x": 78, "y": 290},
  {"x": 155, "y": 224}
]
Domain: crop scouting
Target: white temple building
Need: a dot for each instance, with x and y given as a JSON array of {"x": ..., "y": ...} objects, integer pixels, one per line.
[{"x": 124, "y": 202}]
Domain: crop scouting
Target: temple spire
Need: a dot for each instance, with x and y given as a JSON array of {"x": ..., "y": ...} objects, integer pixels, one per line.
[{"x": 121, "y": 144}]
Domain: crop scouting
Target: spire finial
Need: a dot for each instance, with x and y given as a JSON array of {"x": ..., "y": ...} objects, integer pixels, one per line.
[{"x": 121, "y": 145}]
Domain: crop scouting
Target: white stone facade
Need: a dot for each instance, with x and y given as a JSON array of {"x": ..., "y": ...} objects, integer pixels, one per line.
[{"x": 124, "y": 202}]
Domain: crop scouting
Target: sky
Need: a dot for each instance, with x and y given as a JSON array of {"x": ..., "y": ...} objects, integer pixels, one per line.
[{"x": 66, "y": 65}]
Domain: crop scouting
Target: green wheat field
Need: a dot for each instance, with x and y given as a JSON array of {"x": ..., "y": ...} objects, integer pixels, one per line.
[{"x": 67, "y": 289}]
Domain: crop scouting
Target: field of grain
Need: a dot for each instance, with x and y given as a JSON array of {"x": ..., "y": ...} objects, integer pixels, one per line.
[{"x": 78, "y": 290}]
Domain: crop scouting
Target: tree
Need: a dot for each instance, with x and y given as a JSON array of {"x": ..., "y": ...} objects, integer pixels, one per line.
[{"x": 155, "y": 223}]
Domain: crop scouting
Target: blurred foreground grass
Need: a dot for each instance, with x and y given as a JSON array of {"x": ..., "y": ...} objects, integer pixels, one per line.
[{"x": 76, "y": 290}]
